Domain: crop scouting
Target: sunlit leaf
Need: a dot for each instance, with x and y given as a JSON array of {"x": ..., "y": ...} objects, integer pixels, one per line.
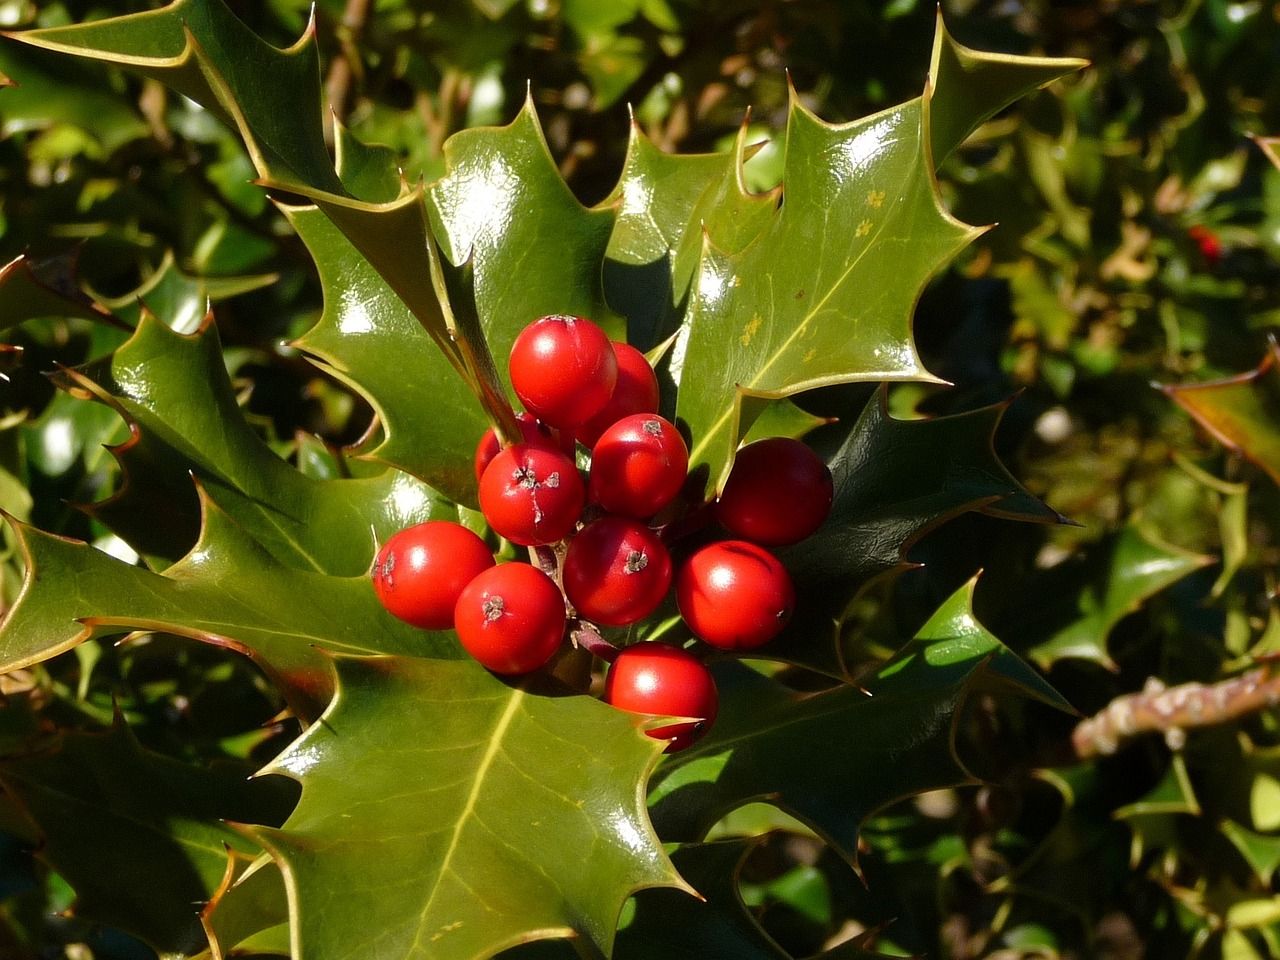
[
  {"x": 447, "y": 814},
  {"x": 1241, "y": 412}
]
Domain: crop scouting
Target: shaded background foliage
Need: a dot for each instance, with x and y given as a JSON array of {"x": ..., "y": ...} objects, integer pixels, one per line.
[{"x": 1138, "y": 243}]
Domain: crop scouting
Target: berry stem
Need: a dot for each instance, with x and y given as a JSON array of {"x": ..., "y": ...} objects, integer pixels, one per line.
[
  {"x": 697, "y": 518},
  {"x": 585, "y": 636}
]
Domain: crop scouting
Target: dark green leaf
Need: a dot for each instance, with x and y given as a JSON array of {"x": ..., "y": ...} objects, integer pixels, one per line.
[
  {"x": 101, "y": 799},
  {"x": 1076, "y": 605},
  {"x": 669, "y": 923},
  {"x": 200, "y": 49},
  {"x": 23, "y": 296},
  {"x": 832, "y": 758},
  {"x": 894, "y": 481},
  {"x": 430, "y": 422}
]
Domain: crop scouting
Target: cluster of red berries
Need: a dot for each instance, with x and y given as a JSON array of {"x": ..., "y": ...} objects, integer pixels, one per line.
[{"x": 603, "y": 543}]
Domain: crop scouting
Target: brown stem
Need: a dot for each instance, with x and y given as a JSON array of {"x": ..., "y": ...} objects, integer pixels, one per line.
[
  {"x": 338, "y": 83},
  {"x": 585, "y": 636},
  {"x": 1171, "y": 710}
]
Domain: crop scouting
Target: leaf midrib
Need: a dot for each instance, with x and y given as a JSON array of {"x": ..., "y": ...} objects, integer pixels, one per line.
[
  {"x": 803, "y": 325},
  {"x": 482, "y": 769}
]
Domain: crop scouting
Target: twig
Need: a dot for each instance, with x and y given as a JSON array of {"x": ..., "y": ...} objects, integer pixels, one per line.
[
  {"x": 1171, "y": 710},
  {"x": 338, "y": 83}
]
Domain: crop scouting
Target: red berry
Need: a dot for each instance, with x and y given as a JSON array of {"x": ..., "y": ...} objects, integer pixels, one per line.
[
  {"x": 511, "y": 618},
  {"x": 563, "y": 369},
  {"x": 533, "y": 432},
  {"x": 616, "y": 571},
  {"x": 636, "y": 392},
  {"x": 778, "y": 492},
  {"x": 421, "y": 570},
  {"x": 638, "y": 465},
  {"x": 734, "y": 595},
  {"x": 656, "y": 678},
  {"x": 531, "y": 495}
]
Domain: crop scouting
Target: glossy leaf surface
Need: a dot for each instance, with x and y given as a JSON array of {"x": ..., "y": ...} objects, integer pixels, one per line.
[
  {"x": 522, "y": 818},
  {"x": 228, "y": 590},
  {"x": 826, "y": 293},
  {"x": 770, "y": 743},
  {"x": 174, "y": 392}
]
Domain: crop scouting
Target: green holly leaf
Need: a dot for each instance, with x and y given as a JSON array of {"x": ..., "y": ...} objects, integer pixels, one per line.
[
  {"x": 180, "y": 299},
  {"x": 101, "y": 799},
  {"x": 1090, "y": 594},
  {"x": 826, "y": 293},
  {"x": 229, "y": 591},
  {"x": 24, "y": 296},
  {"x": 200, "y": 49},
  {"x": 174, "y": 392},
  {"x": 894, "y": 480},
  {"x": 1155, "y": 817},
  {"x": 521, "y": 264},
  {"x": 664, "y": 204},
  {"x": 795, "y": 751},
  {"x": 249, "y": 911},
  {"x": 47, "y": 92},
  {"x": 369, "y": 339},
  {"x": 1241, "y": 412},
  {"x": 523, "y": 818},
  {"x": 897, "y": 479},
  {"x": 1262, "y": 852}
]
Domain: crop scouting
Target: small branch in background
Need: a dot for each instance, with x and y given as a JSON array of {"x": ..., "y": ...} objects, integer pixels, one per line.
[
  {"x": 337, "y": 84},
  {"x": 1172, "y": 710}
]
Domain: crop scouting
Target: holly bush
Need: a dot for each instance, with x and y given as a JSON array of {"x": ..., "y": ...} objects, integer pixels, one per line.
[{"x": 274, "y": 332}]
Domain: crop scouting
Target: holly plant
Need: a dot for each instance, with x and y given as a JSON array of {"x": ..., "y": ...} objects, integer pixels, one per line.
[{"x": 582, "y": 591}]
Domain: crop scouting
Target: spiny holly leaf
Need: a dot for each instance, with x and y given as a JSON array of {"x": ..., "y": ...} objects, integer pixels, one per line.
[
  {"x": 228, "y": 590},
  {"x": 1242, "y": 412},
  {"x": 1262, "y": 852},
  {"x": 138, "y": 836},
  {"x": 1075, "y": 605},
  {"x": 200, "y": 49},
  {"x": 1155, "y": 816},
  {"x": 180, "y": 299},
  {"x": 664, "y": 204},
  {"x": 174, "y": 392},
  {"x": 445, "y": 814},
  {"x": 1074, "y": 866},
  {"x": 48, "y": 93},
  {"x": 248, "y": 912},
  {"x": 825, "y": 294},
  {"x": 272, "y": 97},
  {"x": 367, "y": 337},
  {"x": 671, "y": 924},
  {"x": 24, "y": 296},
  {"x": 894, "y": 481},
  {"x": 531, "y": 249},
  {"x": 832, "y": 758}
]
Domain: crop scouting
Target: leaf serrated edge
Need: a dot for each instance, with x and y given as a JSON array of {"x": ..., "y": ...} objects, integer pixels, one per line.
[{"x": 266, "y": 837}]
